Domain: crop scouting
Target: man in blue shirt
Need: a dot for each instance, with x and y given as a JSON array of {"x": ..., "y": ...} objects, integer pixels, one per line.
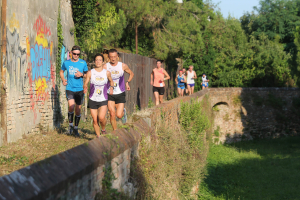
[{"x": 76, "y": 71}]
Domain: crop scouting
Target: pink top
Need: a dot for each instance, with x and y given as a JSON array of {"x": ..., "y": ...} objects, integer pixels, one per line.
[{"x": 158, "y": 76}]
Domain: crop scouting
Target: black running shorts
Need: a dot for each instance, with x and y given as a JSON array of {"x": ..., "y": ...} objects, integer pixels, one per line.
[
  {"x": 117, "y": 98},
  {"x": 160, "y": 90},
  {"x": 95, "y": 104},
  {"x": 77, "y": 96}
]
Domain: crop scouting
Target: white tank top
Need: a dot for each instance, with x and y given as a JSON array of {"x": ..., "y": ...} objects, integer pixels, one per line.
[
  {"x": 99, "y": 85},
  {"x": 189, "y": 77},
  {"x": 117, "y": 75}
]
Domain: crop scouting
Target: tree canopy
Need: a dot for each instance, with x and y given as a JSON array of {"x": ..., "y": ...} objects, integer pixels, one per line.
[{"x": 259, "y": 49}]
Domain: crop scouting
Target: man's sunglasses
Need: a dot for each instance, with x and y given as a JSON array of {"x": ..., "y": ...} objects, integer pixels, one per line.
[{"x": 76, "y": 54}]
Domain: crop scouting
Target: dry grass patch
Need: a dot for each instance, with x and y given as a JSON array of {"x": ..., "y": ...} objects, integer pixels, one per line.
[{"x": 37, "y": 147}]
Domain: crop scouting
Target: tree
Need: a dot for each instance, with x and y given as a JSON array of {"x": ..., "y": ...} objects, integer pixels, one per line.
[{"x": 135, "y": 12}]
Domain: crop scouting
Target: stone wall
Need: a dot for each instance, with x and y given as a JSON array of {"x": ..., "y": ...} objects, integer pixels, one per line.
[
  {"x": 78, "y": 172},
  {"x": 243, "y": 113},
  {"x": 247, "y": 113},
  {"x": 30, "y": 65}
]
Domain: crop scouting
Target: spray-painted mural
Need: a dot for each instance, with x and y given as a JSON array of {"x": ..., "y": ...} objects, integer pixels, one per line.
[
  {"x": 16, "y": 56},
  {"x": 41, "y": 71}
]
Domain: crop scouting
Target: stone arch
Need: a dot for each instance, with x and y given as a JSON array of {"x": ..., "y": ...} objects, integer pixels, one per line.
[{"x": 220, "y": 103}]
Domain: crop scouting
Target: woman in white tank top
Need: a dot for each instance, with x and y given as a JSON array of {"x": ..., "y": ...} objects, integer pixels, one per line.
[
  {"x": 101, "y": 84},
  {"x": 190, "y": 78}
]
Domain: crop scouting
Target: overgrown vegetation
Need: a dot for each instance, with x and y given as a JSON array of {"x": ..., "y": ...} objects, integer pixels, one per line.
[
  {"x": 59, "y": 46},
  {"x": 109, "y": 193},
  {"x": 232, "y": 52},
  {"x": 171, "y": 161},
  {"x": 264, "y": 169}
]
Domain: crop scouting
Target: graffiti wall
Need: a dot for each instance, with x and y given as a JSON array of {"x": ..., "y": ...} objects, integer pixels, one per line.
[{"x": 32, "y": 90}]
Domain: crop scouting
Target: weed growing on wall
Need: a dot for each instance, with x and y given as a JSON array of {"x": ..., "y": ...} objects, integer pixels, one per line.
[
  {"x": 109, "y": 193},
  {"x": 193, "y": 121},
  {"x": 170, "y": 161},
  {"x": 150, "y": 103},
  {"x": 59, "y": 47},
  {"x": 237, "y": 100}
]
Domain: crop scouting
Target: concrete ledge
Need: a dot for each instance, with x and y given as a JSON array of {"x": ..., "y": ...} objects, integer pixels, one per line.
[{"x": 51, "y": 175}]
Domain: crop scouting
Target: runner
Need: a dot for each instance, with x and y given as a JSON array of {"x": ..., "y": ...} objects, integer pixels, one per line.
[
  {"x": 117, "y": 100},
  {"x": 76, "y": 70},
  {"x": 191, "y": 76},
  {"x": 180, "y": 80},
  {"x": 158, "y": 83},
  {"x": 204, "y": 81},
  {"x": 101, "y": 83},
  {"x": 185, "y": 84}
]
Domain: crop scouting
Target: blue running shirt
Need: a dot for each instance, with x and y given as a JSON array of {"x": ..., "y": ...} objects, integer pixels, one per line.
[{"x": 74, "y": 84}]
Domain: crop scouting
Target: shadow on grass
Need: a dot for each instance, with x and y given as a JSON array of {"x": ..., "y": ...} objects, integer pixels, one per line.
[{"x": 266, "y": 169}]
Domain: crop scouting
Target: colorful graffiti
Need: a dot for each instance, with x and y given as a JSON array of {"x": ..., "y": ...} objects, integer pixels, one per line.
[
  {"x": 41, "y": 28},
  {"x": 36, "y": 54},
  {"x": 40, "y": 62},
  {"x": 16, "y": 59},
  {"x": 13, "y": 23},
  {"x": 41, "y": 71},
  {"x": 40, "y": 86}
]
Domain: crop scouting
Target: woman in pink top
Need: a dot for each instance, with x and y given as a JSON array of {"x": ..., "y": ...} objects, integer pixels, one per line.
[{"x": 159, "y": 75}]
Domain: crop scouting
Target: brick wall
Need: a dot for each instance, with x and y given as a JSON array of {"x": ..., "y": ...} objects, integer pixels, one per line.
[{"x": 30, "y": 66}]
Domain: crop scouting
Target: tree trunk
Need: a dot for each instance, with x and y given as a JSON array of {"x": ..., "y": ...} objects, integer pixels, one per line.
[{"x": 136, "y": 37}]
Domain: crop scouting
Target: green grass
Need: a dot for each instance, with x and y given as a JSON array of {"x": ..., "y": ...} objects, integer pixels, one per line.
[{"x": 258, "y": 170}]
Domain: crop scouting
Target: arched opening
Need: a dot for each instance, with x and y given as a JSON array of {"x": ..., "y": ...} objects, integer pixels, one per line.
[
  {"x": 217, "y": 106},
  {"x": 222, "y": 116}
]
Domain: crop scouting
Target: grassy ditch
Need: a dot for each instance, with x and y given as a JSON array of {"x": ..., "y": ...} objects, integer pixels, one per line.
[
  {"x": 259, "y": 169},
  {"x": 171, "y": 162}
]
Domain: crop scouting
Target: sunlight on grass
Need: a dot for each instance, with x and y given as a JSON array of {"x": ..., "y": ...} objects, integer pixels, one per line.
[{"x": 268, "y": 169}]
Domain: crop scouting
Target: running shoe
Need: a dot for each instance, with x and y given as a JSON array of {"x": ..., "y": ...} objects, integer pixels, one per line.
[
  {"x": 75, "y": 131},
  {"x": 124, "y": 118},
  {"x": 103, "y": 132},
  {"x": 70, "y": 132}
]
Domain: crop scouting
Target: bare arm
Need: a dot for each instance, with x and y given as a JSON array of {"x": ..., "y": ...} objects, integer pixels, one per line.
[
  {"x": 195, "y": 75},
  {"x": 184, "y": 79},
  {"x": 111, "y": 88},
  {"x": 167, "y": 75},
  {"x": 131, "y": 75},
  {"x": 126, "y": 69},
  {"x": 61, "y": 73},
  {"x": 87, "y": 80},
  {"x": 176, "y": 81}
]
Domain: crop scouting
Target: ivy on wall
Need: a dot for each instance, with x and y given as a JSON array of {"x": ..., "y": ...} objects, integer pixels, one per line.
[{"x": 60, "y": 44}]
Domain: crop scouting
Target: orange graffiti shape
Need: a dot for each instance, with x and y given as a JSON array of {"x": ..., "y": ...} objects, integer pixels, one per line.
[
  {"x": 51, "y": 48},
  {"x": 28, "y": 46},
  {"x": 41, "y": 27}
]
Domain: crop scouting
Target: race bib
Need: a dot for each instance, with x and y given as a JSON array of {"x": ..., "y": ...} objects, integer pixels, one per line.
[
  {"x": 116, "y": 84},
  {"x": 98, "y": 92}
]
